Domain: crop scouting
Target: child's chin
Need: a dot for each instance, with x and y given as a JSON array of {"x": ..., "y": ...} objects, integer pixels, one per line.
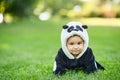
[{"x": 75, "y": 54}]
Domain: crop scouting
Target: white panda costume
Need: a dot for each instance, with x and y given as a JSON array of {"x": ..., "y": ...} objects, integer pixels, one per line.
[{"x": 65, "y": 60}]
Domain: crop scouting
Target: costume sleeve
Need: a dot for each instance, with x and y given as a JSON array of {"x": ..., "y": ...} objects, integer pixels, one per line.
[
  {"x": 90, "y": 62},
  {"x": 59, "y": 67},
  {"x": 99, "y": 66}
]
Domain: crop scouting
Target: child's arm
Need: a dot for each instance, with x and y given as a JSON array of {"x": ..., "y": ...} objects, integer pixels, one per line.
[
  {"x": 90, "y": 62},
  {"x": 58, "y": 68},
  {"x": 59, "y": 63}
]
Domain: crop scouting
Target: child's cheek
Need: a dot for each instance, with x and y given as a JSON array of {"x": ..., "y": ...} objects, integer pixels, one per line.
[{"x": 81, "y": 46}]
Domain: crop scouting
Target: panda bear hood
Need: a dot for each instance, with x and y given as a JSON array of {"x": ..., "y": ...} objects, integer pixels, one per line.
[{"x": 70, "y": 29}]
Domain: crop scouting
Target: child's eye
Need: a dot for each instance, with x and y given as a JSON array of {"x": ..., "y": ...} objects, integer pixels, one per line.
[
  {"x": 71, "y": 43},
  {"x": 79, "y": 43}
]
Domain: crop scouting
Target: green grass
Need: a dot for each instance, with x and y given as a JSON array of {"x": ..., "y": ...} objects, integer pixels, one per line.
[{"x": 28, "y": 48}]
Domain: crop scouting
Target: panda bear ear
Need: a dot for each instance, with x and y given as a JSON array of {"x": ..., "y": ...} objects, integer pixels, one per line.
[
  {"x": 65, "y": 26},
  {"x": 85, "y": 26}
]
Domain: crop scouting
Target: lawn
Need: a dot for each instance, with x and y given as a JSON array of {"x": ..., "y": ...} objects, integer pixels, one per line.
[{"x": 28, "y": 48}]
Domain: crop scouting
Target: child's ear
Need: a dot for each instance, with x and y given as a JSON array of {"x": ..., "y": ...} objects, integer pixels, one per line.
[
  {"x": 85, "y": 26},
  {"x": 65, "y": 26}
]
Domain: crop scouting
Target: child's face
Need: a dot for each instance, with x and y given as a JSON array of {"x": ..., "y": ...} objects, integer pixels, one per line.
[{"x": 75, "y": 45}]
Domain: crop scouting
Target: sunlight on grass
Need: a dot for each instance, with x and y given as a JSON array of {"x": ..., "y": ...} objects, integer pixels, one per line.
[
  {"x": 5, "y": 46},
  {"x": 106, "y": 22}
]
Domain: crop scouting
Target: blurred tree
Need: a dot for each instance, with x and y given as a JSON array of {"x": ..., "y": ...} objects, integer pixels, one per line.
[
  {"x": 62, "y": 8},
  {"x": 110, "y": 8},
  {"x": 20, "y": 8},
  {"x": 2, "y": 9},
  {"x": 2, "y": 6},
  {"x": 58, "y": 7}
]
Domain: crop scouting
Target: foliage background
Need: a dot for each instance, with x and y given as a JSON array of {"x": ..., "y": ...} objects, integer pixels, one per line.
[{"x": 61, "y": 8}]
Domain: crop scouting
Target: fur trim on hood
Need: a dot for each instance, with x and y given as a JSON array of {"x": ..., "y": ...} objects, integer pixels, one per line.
[{"x": 70, "y": 29}]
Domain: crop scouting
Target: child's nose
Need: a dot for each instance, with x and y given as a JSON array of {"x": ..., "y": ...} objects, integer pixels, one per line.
[{"x": 75, "y": 46}]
